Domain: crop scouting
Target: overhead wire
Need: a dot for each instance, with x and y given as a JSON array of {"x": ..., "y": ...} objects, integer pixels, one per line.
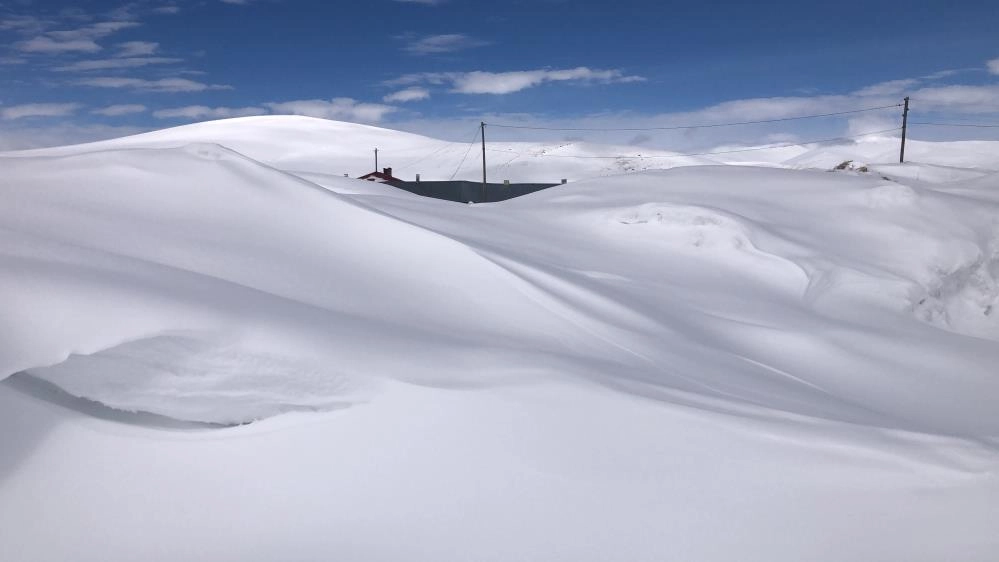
[
  {"x": 422, "y": 158},
  {"x": 770, "y": 147},
  {"x": 977, "y": 125},
  {"x": 470, "y": 145},
  {"x": 702, "y": 126}
]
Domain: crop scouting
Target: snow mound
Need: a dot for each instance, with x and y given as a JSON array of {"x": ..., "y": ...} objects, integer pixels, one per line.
[
  {"x": 964, "y": 294},
  {"x": 295, "y": 275},
  {"x": 320, "y": 148},
  {"x": 242, "y": 252},
  {"x": 190, "y": 378},
  {"x": 736, "y": 351}
]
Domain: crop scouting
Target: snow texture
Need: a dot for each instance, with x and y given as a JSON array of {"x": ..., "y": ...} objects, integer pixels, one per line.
[{"x": 700, "y": 359}]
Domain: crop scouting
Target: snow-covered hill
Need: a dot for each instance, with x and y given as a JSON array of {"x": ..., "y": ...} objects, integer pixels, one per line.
[
  {"x": 706, "y": 362},
  {"x": 333, "y": 148},
  {"x": 306, "y": 145}
]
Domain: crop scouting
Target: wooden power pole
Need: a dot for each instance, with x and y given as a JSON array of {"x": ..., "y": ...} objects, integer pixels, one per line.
[
  {"x": 482, "y": 125},
  {"x": 376, "y": 159},
  {"x": 905, "y": 124}
]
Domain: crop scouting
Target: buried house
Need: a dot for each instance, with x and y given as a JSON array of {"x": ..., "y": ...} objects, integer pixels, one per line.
[{"x": 460, "y": 191}]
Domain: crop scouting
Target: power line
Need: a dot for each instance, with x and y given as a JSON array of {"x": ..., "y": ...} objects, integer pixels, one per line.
[
  {"x": 983, "y": 126},
  {"x": 422, "y": 158},
  {"x": 723, "y": 151},
  {"x": 707, "y": 126},
  {"x": 788, "y": 145},
  {"x": 462, "y": 163}
]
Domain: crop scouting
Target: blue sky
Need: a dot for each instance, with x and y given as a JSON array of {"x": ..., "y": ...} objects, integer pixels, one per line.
[{"x": 72, "y": 71}]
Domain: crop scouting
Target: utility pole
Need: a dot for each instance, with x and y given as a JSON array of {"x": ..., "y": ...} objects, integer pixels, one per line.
[
  {"x": 482, "y": 125},
  {"x": 905, "y": 124},
  {"x": 376, "y": 159}
]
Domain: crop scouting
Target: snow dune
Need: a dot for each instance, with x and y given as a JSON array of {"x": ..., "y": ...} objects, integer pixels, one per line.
[{"x": 705, "y": 362}]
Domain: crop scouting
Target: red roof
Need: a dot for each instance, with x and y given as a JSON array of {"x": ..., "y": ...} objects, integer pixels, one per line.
[
  {"x": 374, "y": 176},
  {"x": 384, "y": 176}
]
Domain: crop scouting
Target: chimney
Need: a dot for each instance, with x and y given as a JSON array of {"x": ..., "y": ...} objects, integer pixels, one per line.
[
  {"x": 387, "y": 171},
  {"x": 417, "y": 178}
]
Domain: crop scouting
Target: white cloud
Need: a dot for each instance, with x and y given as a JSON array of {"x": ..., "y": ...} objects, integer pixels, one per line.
[
  {"x": 136, "y": 48},
  {"x": 105, "y": 64},
  {"x": 164, "y": 85},
  {"x": 202, "y": 112},
  {"x": 944, "y": 101},
  {"x": 23, "y": 24},
  {"x": 878, "y": 121},
  {"x": 753, "y": 109},
  {"x": 93, "y": 31},
  {"x": 82, "y": 39},
  {"x": 99, "y": 29},
  {"x": 336, "y": 108},
  {"x": 166, "y": 10},
  {"x": 409, "y": 94},
  {"x": 434, "y": 78},
  {"x": 956, "y": 98},
  {"x": 48, "y": 45},
  {"x": 508, "y": 82},
  {"x": 993, "y": 66},
  {"x": 946, "y": 73},
  {"x": 962, "y": 99},
  {"x": 118, "y": 110},
  {"x": 38, "y": 110},
  {"x": 481, "y": 82},
  {"x": 887, "y": 88},
  {"x": 445, "y": 43}
]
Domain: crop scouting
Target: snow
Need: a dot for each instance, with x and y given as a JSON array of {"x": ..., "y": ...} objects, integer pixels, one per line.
[{"x": 698, "y": 359}]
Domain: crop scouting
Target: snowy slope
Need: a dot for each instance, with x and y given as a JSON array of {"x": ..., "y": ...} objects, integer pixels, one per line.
[
  {"x": 305, "y": 145},
  {"x": 710, "y": 362},
  {"x": 333, "y": 148},
  {"x": 881, "y": 150}
]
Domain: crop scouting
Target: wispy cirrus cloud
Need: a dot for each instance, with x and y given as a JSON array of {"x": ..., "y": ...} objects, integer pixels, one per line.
[
  {"x": 136, "y": 48},
  {"x": 25, "y": 24},
  {"x": 959, "y": 98},
  {"x": 336, "y": 108},
  {"x": 115, "y": 63},
  {"x": 81, "y": 39},
  {"x": 163, "y": 85},
  {"x": 119, "y": 110},
  {"x": 443, "y": 43},
  {"x": 409, "y": 94},
  {"x": 347, "y": 109},
  {"x": 205, "y": 112},
  {"x": 483, "y": 82},
  {"x": 38, "y": 110},
  {"x": 509, "y": 82},
  {"x": 887, "y": 88},
  {"x": 49, "y": 45}
]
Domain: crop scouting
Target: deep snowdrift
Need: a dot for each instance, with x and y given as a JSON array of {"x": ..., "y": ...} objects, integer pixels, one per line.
[{"x": 666, "y": 365}]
